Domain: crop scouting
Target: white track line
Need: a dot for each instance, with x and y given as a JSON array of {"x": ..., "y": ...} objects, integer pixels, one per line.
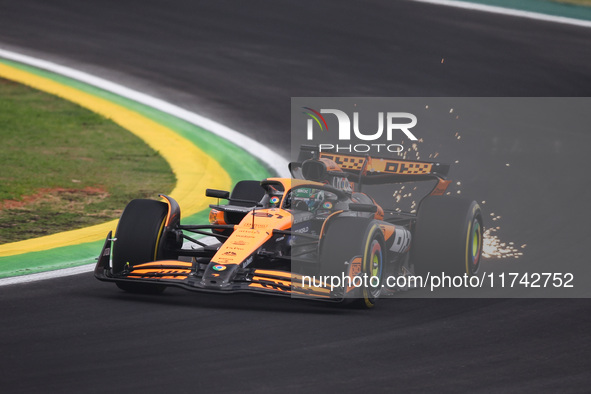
[
  {"x": 273, "y": 160},
  {"x": 47, "y": 275},
  {"x": 509, "y": 11}
]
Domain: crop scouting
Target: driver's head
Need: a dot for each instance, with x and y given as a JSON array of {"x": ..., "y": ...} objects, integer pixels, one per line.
[{"x": 315, "y": 199}]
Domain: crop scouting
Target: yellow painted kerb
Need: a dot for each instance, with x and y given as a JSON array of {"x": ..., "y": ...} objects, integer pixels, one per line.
[{"x": 193, "y": 168}]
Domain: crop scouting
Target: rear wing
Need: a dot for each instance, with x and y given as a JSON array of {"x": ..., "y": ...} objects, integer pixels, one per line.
[{"x": 371, "y": 170}]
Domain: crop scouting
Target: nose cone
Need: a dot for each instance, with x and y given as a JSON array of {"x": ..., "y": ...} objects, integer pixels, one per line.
[{"x": 218, "y": 276}]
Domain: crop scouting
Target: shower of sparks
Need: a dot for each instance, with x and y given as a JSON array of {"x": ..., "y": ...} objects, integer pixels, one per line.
[
  {"x": 495, "y": 217},
  {"x": 493, "y": 247}
]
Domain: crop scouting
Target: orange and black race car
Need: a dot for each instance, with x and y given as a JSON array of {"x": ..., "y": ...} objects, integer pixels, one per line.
[{"x": 315, "y": 235}]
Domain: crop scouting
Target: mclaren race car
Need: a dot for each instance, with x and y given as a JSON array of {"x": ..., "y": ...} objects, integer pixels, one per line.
[{"x": 315, "y": 235}]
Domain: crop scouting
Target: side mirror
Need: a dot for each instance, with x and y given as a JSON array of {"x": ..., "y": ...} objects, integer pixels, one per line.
[
  {"x": 217, "y": 193},
  {"x": 363, "y": 208}
]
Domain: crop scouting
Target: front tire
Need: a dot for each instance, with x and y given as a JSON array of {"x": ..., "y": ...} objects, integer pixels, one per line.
[
  {"x": 139, "y": 239},
  {"x": 347, "y": 239}
]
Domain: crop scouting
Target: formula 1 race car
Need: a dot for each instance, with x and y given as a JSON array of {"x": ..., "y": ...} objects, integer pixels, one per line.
[{"x": 297, "y": 236}]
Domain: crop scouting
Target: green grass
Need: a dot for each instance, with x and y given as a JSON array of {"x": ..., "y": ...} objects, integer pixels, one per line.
[{"x": 64, "y": 167}]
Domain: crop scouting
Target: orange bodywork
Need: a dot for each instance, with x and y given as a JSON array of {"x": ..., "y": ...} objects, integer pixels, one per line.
[
  {"x": 440, "y": 188},
  {"x": 165, "y": 269},
  {"x": 247, "y": 238},
  {"x": 216, "y": 217},
  {"x": 281, "y": 274},
  {"x": 330, "y": 165},
  {"x": 380, "y": 212},
  {"x": 275, "y": 281},
  {"x": 354, "y": 270},
  {"x": 164, "y": 263},
  {"x": 387, "y": 230}
]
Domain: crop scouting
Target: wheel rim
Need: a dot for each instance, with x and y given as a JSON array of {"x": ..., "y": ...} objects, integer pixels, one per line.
[
  {"x": 475, "y": 245},
  {"x": 375, "y": 269}
]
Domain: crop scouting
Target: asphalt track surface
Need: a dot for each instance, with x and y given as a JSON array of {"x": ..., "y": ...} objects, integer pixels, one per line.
[{"x": 239, "y": 63}]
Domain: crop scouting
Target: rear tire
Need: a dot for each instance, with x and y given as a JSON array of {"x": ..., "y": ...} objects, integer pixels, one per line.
[
  {"x": 448, "y": 236},
  {"x": 139, "y": 240}
]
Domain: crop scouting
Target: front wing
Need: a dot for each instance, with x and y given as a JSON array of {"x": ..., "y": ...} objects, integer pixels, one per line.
[{"x": 189, "y": 276}]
